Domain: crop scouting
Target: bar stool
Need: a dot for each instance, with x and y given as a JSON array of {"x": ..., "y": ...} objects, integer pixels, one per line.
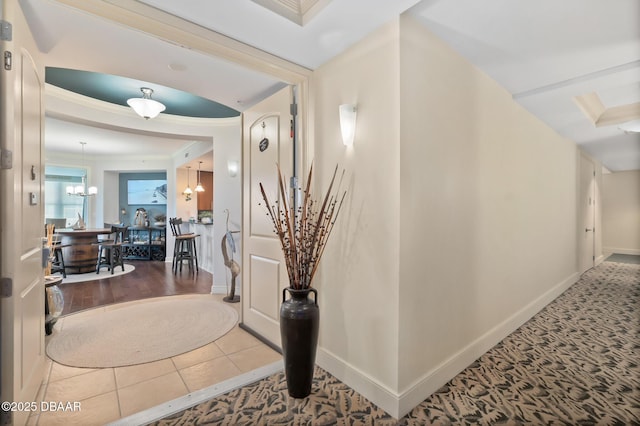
[
  {"x": 57, "y": 262},
  {"x": 57, "y": 258},
  {"x": 110, "y": 251},
  {"x": 184, "y": 247}
]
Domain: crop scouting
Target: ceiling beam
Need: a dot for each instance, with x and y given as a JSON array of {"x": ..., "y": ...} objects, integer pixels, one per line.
[{"x": 177, "y": 31}]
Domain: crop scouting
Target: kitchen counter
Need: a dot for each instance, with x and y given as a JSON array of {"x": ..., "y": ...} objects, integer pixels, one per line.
[{"x": 204, "y": 244}]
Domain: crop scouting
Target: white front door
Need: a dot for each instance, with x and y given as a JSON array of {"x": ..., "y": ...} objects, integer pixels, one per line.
[
  {"x": 586, "y": 210},
  {"x": 266, "y": 142},
  {"x": 21, "y": 215}
]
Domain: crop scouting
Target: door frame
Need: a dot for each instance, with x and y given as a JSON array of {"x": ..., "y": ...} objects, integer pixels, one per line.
[
  {"x": 162, "y": 25},
  {"x": 264, "y": 273},
  {"x": 587, "y": 165},
  {"x": 22, "y": 313}
]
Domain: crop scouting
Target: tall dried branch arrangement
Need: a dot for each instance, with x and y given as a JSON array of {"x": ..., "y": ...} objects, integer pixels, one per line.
[
  {"x": 50, "y": 230},
  {"x": 303, "y": 231}
]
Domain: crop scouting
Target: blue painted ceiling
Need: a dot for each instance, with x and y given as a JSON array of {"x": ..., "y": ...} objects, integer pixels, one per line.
[{"x": 116, "y": 90}]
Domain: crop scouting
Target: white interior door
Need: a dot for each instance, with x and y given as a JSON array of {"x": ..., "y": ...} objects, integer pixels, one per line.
[
  {"x": 267, "y": 141},
  {"x": 587, "y": 209},
  {"x": 21, "y": 215}
]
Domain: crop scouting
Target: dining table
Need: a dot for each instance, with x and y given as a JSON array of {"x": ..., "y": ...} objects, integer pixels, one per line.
[{"x": 80, "y": 248}]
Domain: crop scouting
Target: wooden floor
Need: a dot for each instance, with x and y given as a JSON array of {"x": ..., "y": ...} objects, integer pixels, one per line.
[{"x": 149, "y": 279}]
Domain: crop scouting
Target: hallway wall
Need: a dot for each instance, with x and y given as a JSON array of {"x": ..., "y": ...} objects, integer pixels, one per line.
[
  {"x": 621, "y": 212},
  {"x": 358, "y": 280},
  {"x": 488, "y": 213},
  {"x": 460, "y": 222}
]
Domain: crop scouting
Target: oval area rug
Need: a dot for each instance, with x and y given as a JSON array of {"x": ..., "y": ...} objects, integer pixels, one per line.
[
  {"x": 104, "y": 274},
  {"x": 139, "y": 332}
]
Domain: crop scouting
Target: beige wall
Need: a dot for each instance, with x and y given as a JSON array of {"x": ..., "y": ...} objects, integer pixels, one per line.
[
  {"x": 358, "y": 283},
  {"x": 461, "y": 218},
  {"x": 621, "y": 212},
  {"x": 228, "y": 196},
  {"x": 488, "y": 210}
]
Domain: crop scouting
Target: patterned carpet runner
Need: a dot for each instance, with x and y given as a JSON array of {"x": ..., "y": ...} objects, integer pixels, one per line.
[{"x": 575, "y": 362}]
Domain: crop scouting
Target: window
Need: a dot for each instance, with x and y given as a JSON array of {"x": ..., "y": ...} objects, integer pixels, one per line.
[{"x": 59, "y": 205}]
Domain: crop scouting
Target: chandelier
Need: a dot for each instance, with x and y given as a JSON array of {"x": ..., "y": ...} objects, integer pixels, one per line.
[
  {"x": 146, "y": 107},
  {"x": 82, "y": 190}
]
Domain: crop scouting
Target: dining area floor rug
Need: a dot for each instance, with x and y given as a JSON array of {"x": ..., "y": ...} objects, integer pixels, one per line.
[
  {"x": 139, "y": 332},
  {"x": 103, "y": 274}
]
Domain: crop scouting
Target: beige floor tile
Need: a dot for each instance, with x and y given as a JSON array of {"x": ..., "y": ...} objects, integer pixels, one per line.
[
  {"x": 59, "y": 372},
  {"x": 41, "y": 391},
  {"x": 81, "y": 387},
  {"x": 236, "y": 340},
  {"x": 252, "y": 358},
  {"x": 143, "y": 386},
  {"x": 205, "y": 353},
  {"x": 209, "y": 373},
  {"x": 98, "y": 410},
  {"x": 47, "y": 369},
  {"x": 127, "y": 376},
  {"x": 33, "y": 420},
  {"x": 150, "y": 393}
]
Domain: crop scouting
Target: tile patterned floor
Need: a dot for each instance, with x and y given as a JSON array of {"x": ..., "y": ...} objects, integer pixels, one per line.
[{"x": 109, "y": 394}]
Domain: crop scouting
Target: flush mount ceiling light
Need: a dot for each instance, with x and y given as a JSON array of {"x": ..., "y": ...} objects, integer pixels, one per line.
[{"x": 146, "y": 107}]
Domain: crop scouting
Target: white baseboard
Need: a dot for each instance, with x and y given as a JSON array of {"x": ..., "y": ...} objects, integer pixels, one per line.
[
  {"x": 600, "y": 259},
  {"x": 440, "y": 375},
  {"x": 400, "y": 404},
  {"x": 621, "y": 250},
  {"x": 359, "y": 381},
  {"x": 221, "y": 289},
  {"x": 206, "y": 268}
]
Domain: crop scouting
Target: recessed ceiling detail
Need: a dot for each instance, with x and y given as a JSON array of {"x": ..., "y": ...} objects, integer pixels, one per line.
[
  {"x": 297, "y": 11},
  {"x": 591, "y": 105},
  {"x": 116, "y": 90}
]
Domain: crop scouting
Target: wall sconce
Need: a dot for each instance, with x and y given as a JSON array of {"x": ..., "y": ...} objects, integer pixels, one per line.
[
  {"x": 348, "y": 114},
  {"x": 233, "y": 168}
]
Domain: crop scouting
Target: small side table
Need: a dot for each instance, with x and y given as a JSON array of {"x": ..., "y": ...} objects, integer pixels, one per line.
[{"x": 49, "y": 318}]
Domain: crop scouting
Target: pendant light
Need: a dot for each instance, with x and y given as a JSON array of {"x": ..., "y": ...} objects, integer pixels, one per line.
[
  {"x": 82, "y": 190},
  {"x": 146, "y": 107},
  {"x": 199, "y": 187},
  {"x": 188, "y": 191}
]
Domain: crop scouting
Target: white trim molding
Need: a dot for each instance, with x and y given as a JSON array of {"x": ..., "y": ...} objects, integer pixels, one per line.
[
  {"x": 399, "y": 404},
  {"x": 359, "y": 381},
  {"x": 612, "y": 250}
]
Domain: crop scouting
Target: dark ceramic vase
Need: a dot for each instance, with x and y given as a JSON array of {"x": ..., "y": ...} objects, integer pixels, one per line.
[{"x": 299, "y": 322}]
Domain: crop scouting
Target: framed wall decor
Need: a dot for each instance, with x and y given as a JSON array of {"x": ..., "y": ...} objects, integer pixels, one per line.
[{"x": 152, "y": 192}]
